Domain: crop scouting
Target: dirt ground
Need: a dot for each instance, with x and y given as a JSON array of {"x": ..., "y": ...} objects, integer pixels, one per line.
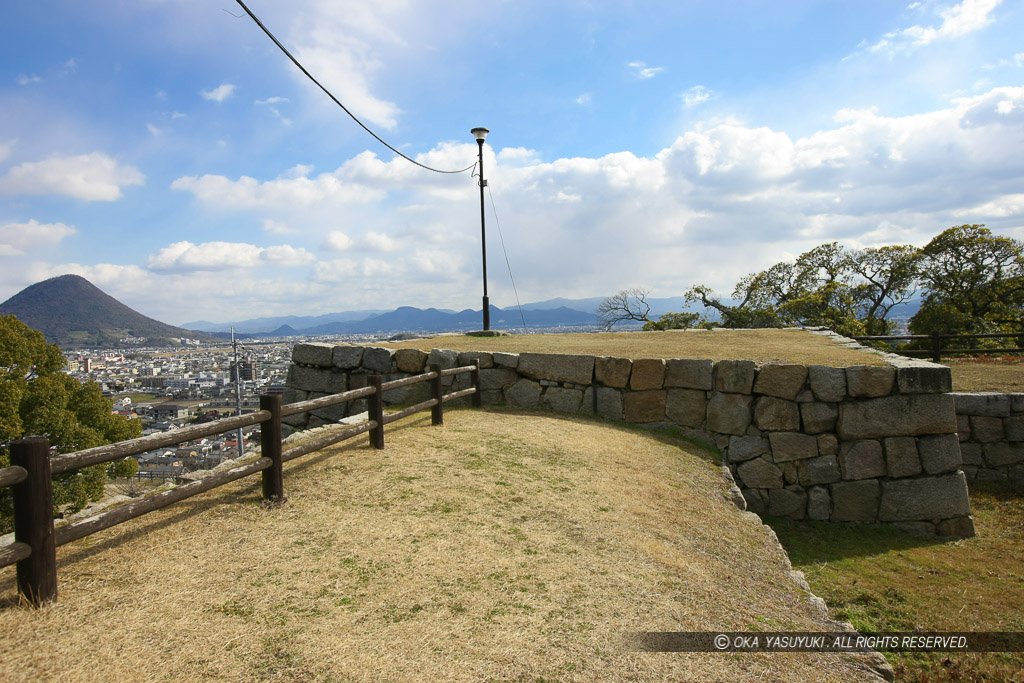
[{"x": 500, "y": 546}]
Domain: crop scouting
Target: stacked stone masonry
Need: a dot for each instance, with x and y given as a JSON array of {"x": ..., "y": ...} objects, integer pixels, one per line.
[
  {"x": 991, "y": 432},
  {"x": 869, "y": 444}
]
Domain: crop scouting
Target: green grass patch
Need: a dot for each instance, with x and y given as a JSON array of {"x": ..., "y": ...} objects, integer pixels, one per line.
[{"x": 881, "y": 579}]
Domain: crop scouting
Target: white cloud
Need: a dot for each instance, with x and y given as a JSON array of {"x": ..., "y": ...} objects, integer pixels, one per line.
[
  {"x": 153, "y": 130},
  {"x": 336, "y": 241},
  {"x": 271, "y": 104},
  {"x": 6, "y": 147},
  {"x": 92, "y": 177},
  {"x": 585, "y": 99},
  {"x": 642, "y": 71},
  {"x": 18, "y": 238},
  {"x": 375, "y": 241},
  {"x": 185, "y": 256},
  {"x": 695, "y": 96},
  {"x": 25, "y": 79},
  {"x": 278, "y": 228},
  {"x": 959, "y": 20},
  {"x": 218, "y": 94}
]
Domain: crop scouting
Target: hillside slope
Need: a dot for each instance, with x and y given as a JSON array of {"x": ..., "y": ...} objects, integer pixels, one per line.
[{"x": 72, "y": 312}]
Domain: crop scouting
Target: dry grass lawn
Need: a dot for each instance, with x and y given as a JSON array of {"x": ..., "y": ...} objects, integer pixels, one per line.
[
  {"x": 501, "y": 546},
  {"x": 761, "y": 346}
]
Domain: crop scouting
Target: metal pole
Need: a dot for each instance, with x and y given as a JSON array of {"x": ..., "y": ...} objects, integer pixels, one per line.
[
  {"x": 238, "y": 392},
  {"x": 483, "y": 238}
]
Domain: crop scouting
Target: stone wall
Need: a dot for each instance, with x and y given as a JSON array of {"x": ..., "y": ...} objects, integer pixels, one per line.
[
  {"x": 991, "y": 431},
  {"x": 860, "y": 444}
]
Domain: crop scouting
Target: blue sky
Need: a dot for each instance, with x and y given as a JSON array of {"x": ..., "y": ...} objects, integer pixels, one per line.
[{"x": 167, "y": 151}]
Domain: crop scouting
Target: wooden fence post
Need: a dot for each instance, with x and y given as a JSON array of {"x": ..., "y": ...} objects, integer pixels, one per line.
[
  {"x": 376, "y": 411},
  {"x": 936, "y": 347},
  {"x": 270, "y": 445},
  {"x": 474, "y": 378},
  {"x": 437, "y": 391},
  {"x": 33, "y": 520}
]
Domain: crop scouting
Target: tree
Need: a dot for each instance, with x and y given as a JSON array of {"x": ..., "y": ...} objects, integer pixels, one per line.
[
  {"x": 973, "y": 282},
  {"x": 629, "y": 304},
  {"x": 36, "y": 398},
  {"x": 890, "y": 275}
]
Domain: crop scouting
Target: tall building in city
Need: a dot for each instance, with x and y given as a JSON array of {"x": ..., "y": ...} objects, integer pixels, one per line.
[{"x": 246, "y": 370}]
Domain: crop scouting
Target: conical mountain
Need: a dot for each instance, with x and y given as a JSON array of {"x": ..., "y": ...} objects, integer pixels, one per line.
[{"x": 73, "y": 312}]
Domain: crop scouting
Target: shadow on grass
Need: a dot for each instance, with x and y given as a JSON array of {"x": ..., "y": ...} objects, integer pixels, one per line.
[{"x": 808, "y": 542}]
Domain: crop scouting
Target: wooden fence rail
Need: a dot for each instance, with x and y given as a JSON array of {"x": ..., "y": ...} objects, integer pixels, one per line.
[
  {"x": 937, "y": 351},
  {"x": 30, "y": 474}
]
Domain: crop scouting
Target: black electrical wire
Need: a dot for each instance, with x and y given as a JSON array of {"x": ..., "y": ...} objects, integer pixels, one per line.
[
  {"x": 507, "y": 264},
  {"x": 336, "y": 101}
]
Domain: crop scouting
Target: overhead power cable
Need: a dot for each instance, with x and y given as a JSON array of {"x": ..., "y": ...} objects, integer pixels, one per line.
[
  {"x": 503, "y": 251},
  {"x": 336, "y": 100}
]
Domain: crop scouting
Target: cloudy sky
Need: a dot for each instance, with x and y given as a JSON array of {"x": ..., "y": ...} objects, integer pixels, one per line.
[{"x": 167, "y": 151}]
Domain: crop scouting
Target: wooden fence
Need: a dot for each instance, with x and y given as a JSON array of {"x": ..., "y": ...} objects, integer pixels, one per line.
[
  {"x": 937, "y": 352},
  {"x": 36, "y": 538}
]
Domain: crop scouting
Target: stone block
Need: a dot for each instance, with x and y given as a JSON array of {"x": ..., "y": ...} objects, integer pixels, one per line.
[
  {"x": 958, "y": 527},
  {"x": 776, "y": 414},
  {"x": 410, "y": 360},
  {"x": 911, "y": 415},
  {"x": 485, "y": 359},
  {"x": 743, "y": 448},
  {"x": 505, "y": 360},
  {"x": 609, "y": 403},
  {"x": 972, "y": 454},
  {"x": 558, "y": 367},
  {"x": 331, "y": 413},
  {"x": 446, "y": 358},
  {"x": 292, "y": 395},
  {"x": 408, "y": 395},
  {"x": 963, "y": 427},
  {"x": 1000, "y": 454},
  {"x": 828, "y": 444},
  {"x": 790, "y": 502},
  {"x": 729, "y": 413},
  {"x": 612, "y": 372},
  {"x": 924, "y": 379},
  {"x": 316, "y": 354},
  {"x": 823, "y": 469},
  {"x": 805, "y": 396},
  {"x": 315, "y": 379},
  {"x": 870, "y": 381},
  {"x": 788, "y": 446},
  {"x": 856, "y": 501},
  {"x": 790, "y": 472},
  {"x": 347, "y": 357},
  {"x": 925, "y": 499},
  {"x": 819, "y": 417},
  {"x": 827, "y": 383},
  {"x": 819, "y": 504},
  {"x": 983, "y": 403},
  {"x": 1014, "y": 428},
  {"x": 687, "y": 407},
  {"x": 690, "y": 374},
  {"x": 377, "y": 359},
  {"x": 644, "y": 406},
  {"x": 780, "y": 381},
  {"x": 563, "y": 400},
  {"x": 1016, "y": 402},
  {"x": 901, "y": 457},
  {"x": 862, "y": 460},
  {"x": 940, "y": 453},
  {"x": 497, "y": 378},
  {"x": 756, "y": 501},
  {"x": 987, "y": 429},
  {"x": 735, "y": 376},
  {"x": 647, "y": 374},
  {"x": 759, "y": 474},
  {"x": 523, "y": 394}
]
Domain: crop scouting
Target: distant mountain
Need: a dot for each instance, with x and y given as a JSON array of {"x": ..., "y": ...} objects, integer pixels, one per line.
[
  {"x": 72, "y": 312},
  {"x": 292, "y": 321}
]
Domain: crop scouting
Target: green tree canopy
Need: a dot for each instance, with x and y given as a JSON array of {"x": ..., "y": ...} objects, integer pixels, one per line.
[{"x": 38, "y": 399}]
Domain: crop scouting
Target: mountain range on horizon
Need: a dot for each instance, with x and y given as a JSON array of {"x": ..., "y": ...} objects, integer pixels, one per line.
[{"x": 72, "y": 312}]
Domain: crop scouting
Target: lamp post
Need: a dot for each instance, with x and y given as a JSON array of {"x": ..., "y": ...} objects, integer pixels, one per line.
[{"x": 481, "y": 134}]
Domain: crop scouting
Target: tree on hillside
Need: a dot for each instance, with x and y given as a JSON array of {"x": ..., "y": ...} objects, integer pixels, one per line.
[
  {"x": 38, "y": 399},
  {"x": 973, "y": 282}
]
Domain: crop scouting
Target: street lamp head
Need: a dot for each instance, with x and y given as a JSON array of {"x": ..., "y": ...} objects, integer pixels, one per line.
[{"x": 480, "y": 134}]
